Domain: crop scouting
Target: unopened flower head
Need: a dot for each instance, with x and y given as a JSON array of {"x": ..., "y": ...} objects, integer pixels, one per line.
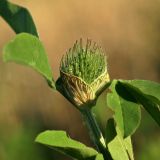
[{"x": 83, "y": 71}]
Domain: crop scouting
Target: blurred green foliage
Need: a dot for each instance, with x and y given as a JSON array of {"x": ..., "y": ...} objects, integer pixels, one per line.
[
  {"x": 19, "y": 143},
  {"x": 147, "y": 139}
]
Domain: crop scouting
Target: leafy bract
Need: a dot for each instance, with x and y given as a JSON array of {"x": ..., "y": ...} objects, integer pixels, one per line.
[
  {"x": 59, "y": 141},
  {"x": 17, "y": 17},
  {"x": 147, "y": 93},
  {"x": 120, "y": 148},
  {"x": 126, "y": 110},
  {"x": 28, "y": 50}
]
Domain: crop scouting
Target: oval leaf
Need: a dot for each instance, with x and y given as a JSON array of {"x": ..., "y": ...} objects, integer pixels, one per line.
[
  {"x": 17, "y": 17},
  {"x": 146, "y": 93},
  {"x": 59, "y": 141},
  {"x": 119, "y": 148},
  {"x": 28, "y": 50},
  {"x": 126, "y": 111},
  {"x": 149, "y": 88}
]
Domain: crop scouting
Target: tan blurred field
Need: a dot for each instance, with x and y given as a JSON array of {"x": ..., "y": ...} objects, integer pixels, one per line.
[{"x": 129, "y": 32}]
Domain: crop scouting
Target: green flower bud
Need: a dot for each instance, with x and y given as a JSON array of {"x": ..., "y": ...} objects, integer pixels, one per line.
[{"x": 83, "y": 72}]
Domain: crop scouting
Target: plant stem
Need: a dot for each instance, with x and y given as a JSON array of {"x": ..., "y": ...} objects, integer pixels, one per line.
[{"x": 95, "y": 133}]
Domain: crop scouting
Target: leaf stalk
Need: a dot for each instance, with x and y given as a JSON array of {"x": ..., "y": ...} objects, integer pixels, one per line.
[{"x": 95, "y": 133}]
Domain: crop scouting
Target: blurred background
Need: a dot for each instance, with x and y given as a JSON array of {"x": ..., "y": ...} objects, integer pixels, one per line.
[{"x": 128, "y": 31}]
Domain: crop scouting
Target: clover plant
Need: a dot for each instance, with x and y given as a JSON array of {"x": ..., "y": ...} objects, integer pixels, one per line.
[{"x": 83, "y": 77}]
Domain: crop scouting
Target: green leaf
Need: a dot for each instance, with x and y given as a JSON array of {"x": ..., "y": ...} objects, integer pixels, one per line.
[
  {"x": 59, "y": 141},
  {"x": 147, "y": 87},
  {"x": 28, "y": 50},
  {"x": 147, "y": 93},
  {"x": 99, "y": 157},
  {"x": 119, "y": 148},
  {"x": 126, "y": 111},
  {"x": 17, "y": 17},
  {"x": 128, "y": 146}
]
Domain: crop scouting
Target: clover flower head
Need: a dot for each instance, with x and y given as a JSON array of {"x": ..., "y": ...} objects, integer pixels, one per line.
[{"x": 83, "y": 71}]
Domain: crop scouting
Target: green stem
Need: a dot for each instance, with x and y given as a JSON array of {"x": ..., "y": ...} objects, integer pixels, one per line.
[{"x": 95, "y": 133}]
